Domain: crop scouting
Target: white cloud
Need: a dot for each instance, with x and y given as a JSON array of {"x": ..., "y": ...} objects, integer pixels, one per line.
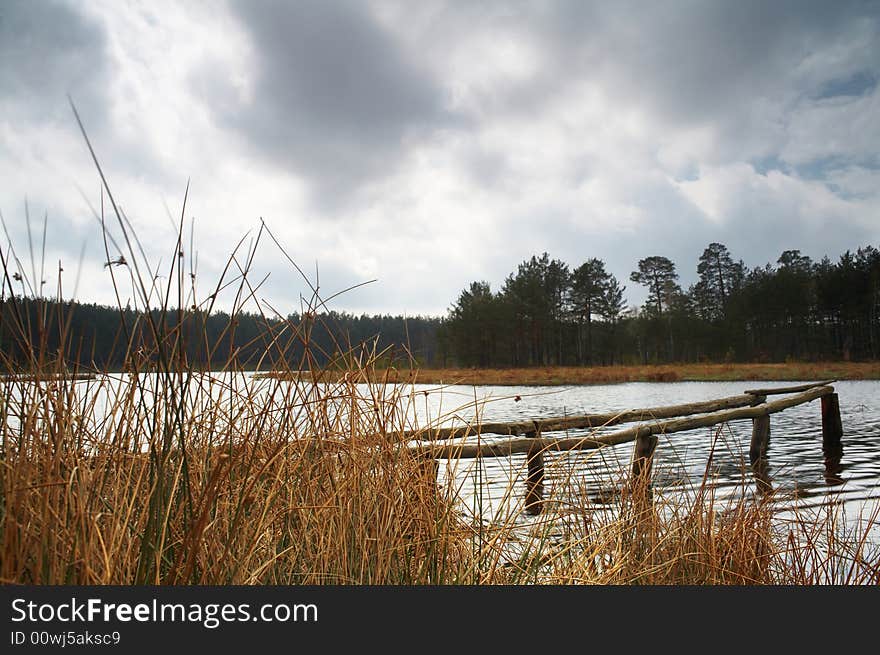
[{"x": 431, "y": 145}]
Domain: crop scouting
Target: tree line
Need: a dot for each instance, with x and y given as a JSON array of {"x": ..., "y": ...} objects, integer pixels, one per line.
[
  {"x": 106, "y": 338},
  {"x": 547, "y": 313}
]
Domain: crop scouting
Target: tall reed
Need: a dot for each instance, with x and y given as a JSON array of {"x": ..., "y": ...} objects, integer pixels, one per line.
[{"x": 174, "y": 471}]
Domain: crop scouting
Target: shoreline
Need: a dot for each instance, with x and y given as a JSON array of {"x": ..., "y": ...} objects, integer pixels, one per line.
[{"x": 576, "y": 375}]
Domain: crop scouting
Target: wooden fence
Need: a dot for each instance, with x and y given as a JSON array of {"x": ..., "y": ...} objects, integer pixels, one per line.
[{"x": 526, "y": 437}]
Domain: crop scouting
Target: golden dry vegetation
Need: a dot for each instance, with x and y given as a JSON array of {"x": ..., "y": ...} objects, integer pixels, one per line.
[
  {"x": 224, "y": 479},
  {"x": 169, "y": 474},
  {"x": 565, "y": 375}
]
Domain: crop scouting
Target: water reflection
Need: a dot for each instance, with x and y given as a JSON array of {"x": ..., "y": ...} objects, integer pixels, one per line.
[
  {"x": 723, "y": 457},
  {"x": 761, "y": 471},
  {"x": 797, "y": 465},
  {"x": 833, "y": 464}
]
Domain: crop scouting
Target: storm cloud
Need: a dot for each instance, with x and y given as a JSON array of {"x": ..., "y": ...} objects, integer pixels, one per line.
[
  {"x": 49, "y": 49},
  {"x": 430, "y": 144},
  {"x": 333, "y": 94}
]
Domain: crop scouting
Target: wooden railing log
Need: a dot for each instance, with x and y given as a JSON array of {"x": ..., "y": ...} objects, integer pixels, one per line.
[
  {"x": 779, "y": 390},
  {"x": 582, "y": 421},
  {"x": 526, "y": 445}
]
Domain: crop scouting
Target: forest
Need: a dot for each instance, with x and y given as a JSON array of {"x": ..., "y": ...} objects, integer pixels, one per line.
[
  {"x": 545, "y": 314},
  {"x": 99, "y": 337}
]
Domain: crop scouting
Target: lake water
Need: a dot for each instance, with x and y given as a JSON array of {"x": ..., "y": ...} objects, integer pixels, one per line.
[
  {"x": 799, "y": 473},
  {"x": 492, "y": 489}
]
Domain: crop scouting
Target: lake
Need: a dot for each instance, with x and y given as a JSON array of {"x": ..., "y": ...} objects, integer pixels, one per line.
[
  {"x": 492, "y": 489},
  {"x": 799, "y": 473}
]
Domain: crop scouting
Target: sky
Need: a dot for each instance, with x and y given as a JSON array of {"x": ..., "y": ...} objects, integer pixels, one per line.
[{"x": 414, "y": 147}]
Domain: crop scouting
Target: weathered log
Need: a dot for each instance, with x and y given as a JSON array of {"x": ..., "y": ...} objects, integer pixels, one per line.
[
  {"x": 582, "y": 421},
  {"x": 794, "y": 389},
  {"x": 526, "y": 445}
]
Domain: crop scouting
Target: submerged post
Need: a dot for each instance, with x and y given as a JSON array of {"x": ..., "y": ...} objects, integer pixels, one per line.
[
  {"x": 832, "y": 428},
  {"x": 833, "y": 467},
  {"x": 758, "y": 453},
  {"x": 535, "y": 475},
  {"x": 759, "y": 445},
  {"x": 760, "y": 439},
  {"x": 643, "y": 455},
  {"x": 643, "y": 461}
]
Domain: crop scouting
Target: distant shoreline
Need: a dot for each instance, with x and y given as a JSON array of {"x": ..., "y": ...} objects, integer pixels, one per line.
[
  {"x": 568, "y": 375},
  {"x": 43, "y": 377}
]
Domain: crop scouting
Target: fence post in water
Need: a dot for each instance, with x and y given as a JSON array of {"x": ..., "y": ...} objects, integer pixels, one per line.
[
  {"x": 643, "y": 460},
  {"x": 758, "y": 448},
  {"x": 535, "y": 476},
  {"x": 832, "y": 428},
  {"x": 643, "y": 454},
  {"x": 760, "y": 439},
  {"x": 758, "y": 453}
]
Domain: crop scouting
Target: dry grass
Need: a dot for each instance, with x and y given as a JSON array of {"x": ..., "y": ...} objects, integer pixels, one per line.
[
  {"x": 241, "y": 494},
  {"x": 185, "y": 478},
  {"x": 565, "y": 375},
  {"x": 166, "y": 474}
]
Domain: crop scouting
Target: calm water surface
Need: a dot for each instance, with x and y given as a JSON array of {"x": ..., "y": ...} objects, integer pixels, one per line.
[
  {"x": 493, "y": 488},
  {"x": 799, "y": 472}
]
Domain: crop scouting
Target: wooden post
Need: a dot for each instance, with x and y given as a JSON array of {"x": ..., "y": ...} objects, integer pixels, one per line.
[
  {"x": 760, "y": 438},
  {"x": 832, "y": 432},
  {"x": 758, "y": 453},
  {"x": 643, "y": 455},
  {"x": 643, "y": 460},
  {"x": 761, "y": 470},
  {"x": 535, "y": 476},
  {"x": 832, "y": 428},
  {"x": 759, "y": 445}
]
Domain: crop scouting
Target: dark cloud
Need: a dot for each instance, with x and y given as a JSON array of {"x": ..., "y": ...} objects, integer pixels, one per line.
[
  {"x": 336, "y": 97},
  {"x": 738, "y": 67},
  {"x": 696, "y": 60},
  {"x": 50, "y": 49},
  {"x": 706, "y": 60},
  {"x": 748, "y": 122}
]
